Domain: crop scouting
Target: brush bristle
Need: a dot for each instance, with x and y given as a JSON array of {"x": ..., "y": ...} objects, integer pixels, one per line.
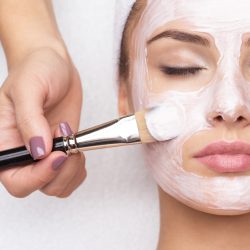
[{"x": 145, "y": 136}]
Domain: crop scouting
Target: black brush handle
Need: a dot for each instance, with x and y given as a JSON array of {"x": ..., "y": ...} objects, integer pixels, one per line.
[{"x": 21, "y": 157}]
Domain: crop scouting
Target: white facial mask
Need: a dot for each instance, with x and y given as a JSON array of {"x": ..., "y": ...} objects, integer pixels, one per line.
[{"x": 227, "y": 94}]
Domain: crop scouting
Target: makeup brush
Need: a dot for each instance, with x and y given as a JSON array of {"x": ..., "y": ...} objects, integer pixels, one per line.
[{"x": 127, "y": 130}]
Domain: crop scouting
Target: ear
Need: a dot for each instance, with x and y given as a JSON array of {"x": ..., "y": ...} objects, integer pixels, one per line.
[{"x": 124, "y": 102}]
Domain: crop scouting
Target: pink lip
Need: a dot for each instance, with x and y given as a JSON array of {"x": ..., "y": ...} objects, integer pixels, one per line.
[{"x": 226, "y": 157}]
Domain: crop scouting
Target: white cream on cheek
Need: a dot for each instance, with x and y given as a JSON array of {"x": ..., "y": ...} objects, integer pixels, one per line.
[
  {"x": 171, "y": 126},
  {"x": 225, "y": 94}
]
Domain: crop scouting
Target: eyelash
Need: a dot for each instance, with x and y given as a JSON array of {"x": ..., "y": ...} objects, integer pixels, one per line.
[{"x": 181, "y": 71}]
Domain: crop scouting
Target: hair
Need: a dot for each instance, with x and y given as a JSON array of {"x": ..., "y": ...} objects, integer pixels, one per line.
[{"x": 132, "y": 21}]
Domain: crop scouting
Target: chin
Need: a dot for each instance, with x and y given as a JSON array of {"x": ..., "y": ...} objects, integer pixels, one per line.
[{"x": 217, "y": 195}]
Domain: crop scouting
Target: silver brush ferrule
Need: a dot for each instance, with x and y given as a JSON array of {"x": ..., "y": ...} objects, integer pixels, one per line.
[{"x": 115, "y": 133}]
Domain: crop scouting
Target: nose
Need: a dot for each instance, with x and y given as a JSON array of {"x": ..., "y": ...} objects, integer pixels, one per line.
[{"x": 240, "y": 117}]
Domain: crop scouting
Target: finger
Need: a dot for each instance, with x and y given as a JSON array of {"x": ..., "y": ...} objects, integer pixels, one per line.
[
  {"x": 63, "y": 129},
  {"x": 40, "y": 83},
  {"x": 21, "y": 182},
  {"x": 10, "y": 136},
  {"x": 31, "y": 122},
  {"x": 70, "y": 169},
  {"x": 71, "y": 109},
  {"x": 75, "y": 182}
]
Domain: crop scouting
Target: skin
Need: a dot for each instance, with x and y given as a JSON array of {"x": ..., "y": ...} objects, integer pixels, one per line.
[
  {"x": 163, "y": 51},
  {"x": 183, "y": 227},
  {"x": 36, "y": 96}
]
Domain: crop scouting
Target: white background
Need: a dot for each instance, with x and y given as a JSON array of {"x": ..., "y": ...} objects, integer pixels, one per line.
[{"x": 117, "y": 206}]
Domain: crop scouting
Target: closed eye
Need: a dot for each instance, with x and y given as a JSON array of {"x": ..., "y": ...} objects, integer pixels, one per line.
[{"x": 181, "y": 71}]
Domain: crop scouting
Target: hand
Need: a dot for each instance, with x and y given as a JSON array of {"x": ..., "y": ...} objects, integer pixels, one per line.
[{"x": 42, "y": 91}]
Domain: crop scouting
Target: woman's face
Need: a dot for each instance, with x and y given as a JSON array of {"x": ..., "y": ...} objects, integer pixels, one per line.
[{"x": 196, "y": 55}]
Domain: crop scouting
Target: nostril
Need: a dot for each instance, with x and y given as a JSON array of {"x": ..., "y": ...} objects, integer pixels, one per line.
[
  {"x": 240, "y": 119},
  {"x": 218, "y": 118}
]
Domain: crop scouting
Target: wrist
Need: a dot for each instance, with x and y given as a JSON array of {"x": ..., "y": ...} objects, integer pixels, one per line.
[
  {"x": 17, "y": 54},
  {"x": 27, "y": 26}
]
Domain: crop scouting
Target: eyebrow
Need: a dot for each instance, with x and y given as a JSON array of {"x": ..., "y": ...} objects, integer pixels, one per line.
[{"x": 181, "y": 36}]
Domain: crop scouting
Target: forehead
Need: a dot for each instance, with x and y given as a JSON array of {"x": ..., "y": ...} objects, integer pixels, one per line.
[{"x": 207, "y": 15}]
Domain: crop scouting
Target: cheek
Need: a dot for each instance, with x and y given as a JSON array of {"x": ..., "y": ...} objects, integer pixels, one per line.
[{"x": 175, "y": 155}]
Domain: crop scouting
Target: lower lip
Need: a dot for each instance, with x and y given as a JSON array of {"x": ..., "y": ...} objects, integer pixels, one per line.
[{"x": 227, "y": 163}]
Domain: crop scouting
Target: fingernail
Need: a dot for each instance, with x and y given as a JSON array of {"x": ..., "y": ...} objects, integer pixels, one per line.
[
  {"x": 37, "y": 147},
  {"x": 65, "y": 129},
  {"x": 57, "y": 164}
]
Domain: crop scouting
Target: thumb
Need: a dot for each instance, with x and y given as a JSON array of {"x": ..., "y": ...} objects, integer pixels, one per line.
[{"x": 28, "y": 100}]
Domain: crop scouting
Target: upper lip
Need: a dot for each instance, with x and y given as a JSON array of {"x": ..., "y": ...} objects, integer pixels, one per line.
[{"x": 221, "y": 147}]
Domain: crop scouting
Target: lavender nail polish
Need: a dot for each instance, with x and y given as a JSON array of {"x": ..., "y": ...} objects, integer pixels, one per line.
[
  {"x": 37, "y": 147},
  {"x": 65, "y": 129},
  {"x": 57, "y": 164}
]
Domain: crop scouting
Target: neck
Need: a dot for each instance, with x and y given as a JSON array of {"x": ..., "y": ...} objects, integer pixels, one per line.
[{"x": 185, "y": 228}]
